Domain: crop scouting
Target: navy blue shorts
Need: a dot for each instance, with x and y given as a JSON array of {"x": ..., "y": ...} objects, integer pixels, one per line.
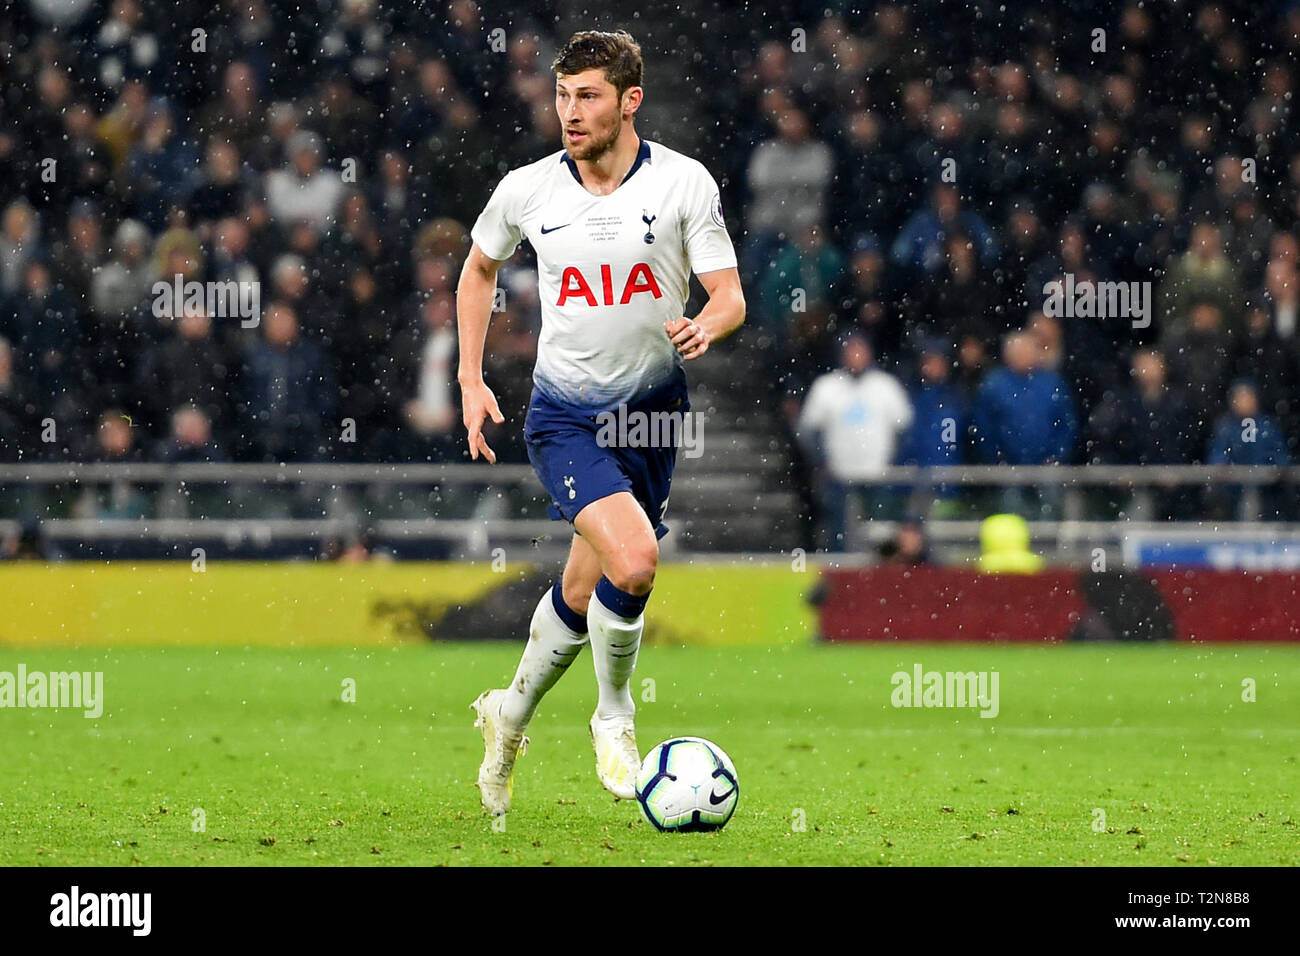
[{"x": 577, "y": 469}]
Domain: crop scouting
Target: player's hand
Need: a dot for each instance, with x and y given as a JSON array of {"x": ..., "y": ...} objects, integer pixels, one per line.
[
  {"x": 479, "y": 404},
  {"x": 691, "y": 338}
]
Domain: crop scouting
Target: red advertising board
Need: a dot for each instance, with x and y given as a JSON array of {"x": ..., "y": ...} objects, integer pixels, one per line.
[{"x": 955, "y": 604}]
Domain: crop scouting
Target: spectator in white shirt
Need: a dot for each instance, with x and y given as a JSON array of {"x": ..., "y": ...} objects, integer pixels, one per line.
[
  {"x": 851, "y": 423},
  {"x": 123, "y": 283},
  {"x": 432, "y": 414},
  {"x": 1282, "y": 289},
  {"x": 303, "y": 191}
]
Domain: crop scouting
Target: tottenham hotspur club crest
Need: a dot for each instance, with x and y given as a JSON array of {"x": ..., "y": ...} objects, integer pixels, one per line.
[{"x": 648, "y": 220}]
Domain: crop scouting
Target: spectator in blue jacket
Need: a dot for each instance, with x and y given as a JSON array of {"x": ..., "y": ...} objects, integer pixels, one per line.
[
  {"x": 1244, "y": 436},
  {"x": 941, "y": 419},
  {"x": 920, "y": 244},
  {"x": 1024, "y": 415}
]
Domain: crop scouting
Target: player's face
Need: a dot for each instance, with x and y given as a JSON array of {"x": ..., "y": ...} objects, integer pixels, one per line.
[{"x": 591, "y": 116}]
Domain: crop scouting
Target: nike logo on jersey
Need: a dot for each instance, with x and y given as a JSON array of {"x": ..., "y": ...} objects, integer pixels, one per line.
[{"x": 553, "y": 228}]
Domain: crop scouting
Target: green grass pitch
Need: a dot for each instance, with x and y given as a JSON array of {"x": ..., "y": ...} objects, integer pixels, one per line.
[{"x": 261, "y": 748}]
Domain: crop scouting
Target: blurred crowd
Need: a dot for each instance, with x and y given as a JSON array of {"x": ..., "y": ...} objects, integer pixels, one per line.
[
  {"x": 902, "y": 184},
  {"x": 334, "y": 154},
  {"x": 912, "y": 185}
]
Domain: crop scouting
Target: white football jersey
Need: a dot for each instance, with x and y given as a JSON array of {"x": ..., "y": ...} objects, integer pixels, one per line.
[{"x": 611, "y": 269}]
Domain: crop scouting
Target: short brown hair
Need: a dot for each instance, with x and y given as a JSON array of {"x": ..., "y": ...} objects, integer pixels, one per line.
[{"x": 617, "y": 53}]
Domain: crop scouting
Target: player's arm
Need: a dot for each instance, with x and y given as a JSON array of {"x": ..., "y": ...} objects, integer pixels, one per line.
[
  {"x": 721, "y": 315},
  {"x": 474, "y": 295}
]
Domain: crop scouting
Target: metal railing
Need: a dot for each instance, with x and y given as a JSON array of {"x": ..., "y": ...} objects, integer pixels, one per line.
[
  {"x": 468, "y": 472},
  {"x": 483, "y": 521},
  {"x": 1141, "y": 481}
]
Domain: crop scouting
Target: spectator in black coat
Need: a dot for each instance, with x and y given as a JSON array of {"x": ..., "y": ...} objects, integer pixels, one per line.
[
  {"x": 1271, "y": 362},
  {"x": 289, "y": 396},
  {"x": 1145, "y": 421},
  {"x": 221, "y": 187},
  {"x": 958, "y": 300},
  {"x": 48, "y": 342},
  {"x": 187, "y": 368},
  {"x": 15, "y": 413},
  {"x": 191, "y": 439},
  {"x": 115, "y": 441},
  {"x": 1200, "y": 361}
]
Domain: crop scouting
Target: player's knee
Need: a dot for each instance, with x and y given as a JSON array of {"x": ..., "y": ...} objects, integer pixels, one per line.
[
  {"x": 638, "y": 579},
  {"x": 634, "y": 569}
]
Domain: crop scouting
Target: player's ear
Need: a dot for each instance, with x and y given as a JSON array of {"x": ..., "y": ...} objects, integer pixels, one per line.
[{"x": 631, "y": 100}]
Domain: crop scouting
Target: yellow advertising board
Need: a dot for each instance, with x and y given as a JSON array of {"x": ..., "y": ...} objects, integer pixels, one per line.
[{"x": 358, "y": 605}]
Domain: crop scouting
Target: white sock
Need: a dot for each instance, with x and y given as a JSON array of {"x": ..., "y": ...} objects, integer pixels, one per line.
[
  {"x": 552, "y": 647},
  {"x": 615, "y": 642}
]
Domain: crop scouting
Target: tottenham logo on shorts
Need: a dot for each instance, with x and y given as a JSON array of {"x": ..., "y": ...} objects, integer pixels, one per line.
[
  {"x": 568, "y": 483},
  {"x": 648, "y": 220}
]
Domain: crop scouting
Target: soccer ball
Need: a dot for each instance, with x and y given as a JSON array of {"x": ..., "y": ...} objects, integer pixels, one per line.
[{"x": 687, "y": 784}]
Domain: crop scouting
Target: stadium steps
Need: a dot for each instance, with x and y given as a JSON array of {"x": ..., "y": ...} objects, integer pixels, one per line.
[
  {"x": 732, "y": 452},
  {"x": 734, "y": 496}
]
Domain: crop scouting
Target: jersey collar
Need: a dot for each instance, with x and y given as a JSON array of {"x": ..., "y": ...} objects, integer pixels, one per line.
[{"x": 642, "y": 156}]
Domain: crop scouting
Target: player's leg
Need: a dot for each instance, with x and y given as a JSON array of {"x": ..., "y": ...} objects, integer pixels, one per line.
[
  {"x": 581, "y": 572},
  {"x": 619, "y": 533},
  {"x": 556, "y": 636}
]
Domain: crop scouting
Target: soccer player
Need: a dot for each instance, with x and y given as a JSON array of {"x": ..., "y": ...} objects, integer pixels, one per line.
[{"x": 617, "y": 224}]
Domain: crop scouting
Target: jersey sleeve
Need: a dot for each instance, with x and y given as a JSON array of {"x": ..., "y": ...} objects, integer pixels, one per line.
[
  {"x": 497, "y": 228},
  {"x": 708, "y": 247}
]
